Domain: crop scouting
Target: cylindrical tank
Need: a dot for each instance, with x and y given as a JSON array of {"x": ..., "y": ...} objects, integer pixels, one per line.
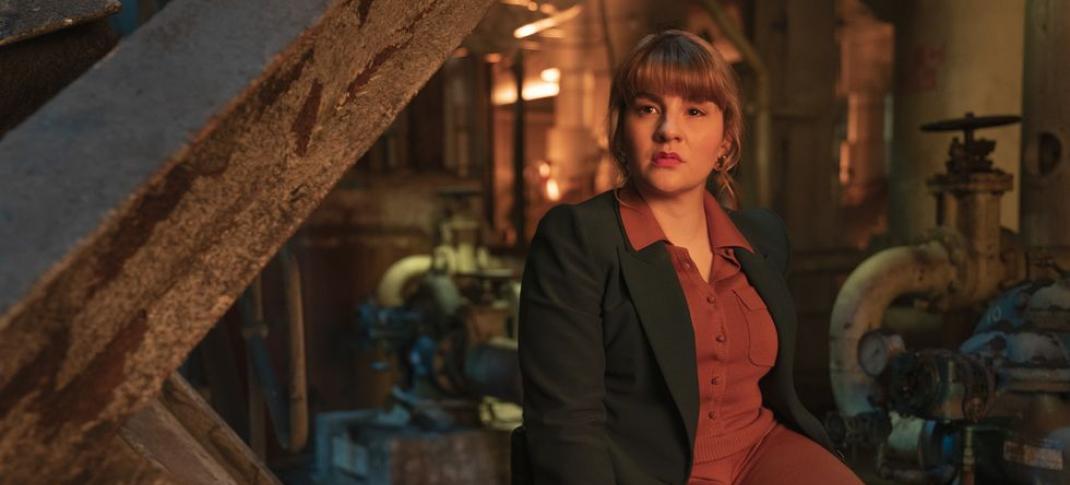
[
  {"x": 951, "y": 57},
  {"x": 1046, "y": 126}
]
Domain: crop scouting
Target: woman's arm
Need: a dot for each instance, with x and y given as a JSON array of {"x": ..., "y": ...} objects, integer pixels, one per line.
[{"x": 562, "y": 359}]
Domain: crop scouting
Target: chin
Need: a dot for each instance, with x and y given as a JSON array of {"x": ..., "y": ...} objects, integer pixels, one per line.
[{"x": 670, "y": 184}]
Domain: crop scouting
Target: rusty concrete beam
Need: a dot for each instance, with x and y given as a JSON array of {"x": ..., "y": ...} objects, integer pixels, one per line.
[
  {"x": 23, "y": 19},
  {"x": 138, "y": 203}
]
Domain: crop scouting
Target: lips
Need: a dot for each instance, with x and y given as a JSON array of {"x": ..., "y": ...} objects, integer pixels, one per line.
[{"x": 666, "y": 159}]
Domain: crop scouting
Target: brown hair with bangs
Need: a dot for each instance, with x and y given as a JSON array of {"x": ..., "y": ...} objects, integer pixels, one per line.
[{"x": 682, "y": 64}]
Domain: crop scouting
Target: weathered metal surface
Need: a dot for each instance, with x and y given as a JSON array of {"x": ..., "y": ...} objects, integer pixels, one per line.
[
  {"x": 924, "y": 269},
  {"x": 124, "y": 463},
  {"x": 1046, "y": 127},
  {"x": 139, "y": 202},
  {"x": 23, "y": 19},
  {"x": 155, "y": 433},
  {"x": 212, "y": 433}
]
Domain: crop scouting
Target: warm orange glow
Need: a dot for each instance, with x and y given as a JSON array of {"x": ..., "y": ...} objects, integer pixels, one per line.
[
  {"x": 553, "y": 192},
  {"x": 544, "y": 169},
  {"x": 551, "y": 75},
  {"x": 537, "y": 26},
  {"x": 506, "y": 93}
]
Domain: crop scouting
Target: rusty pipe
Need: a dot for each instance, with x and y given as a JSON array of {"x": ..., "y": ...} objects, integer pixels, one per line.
[
  {"x": 298, "y": 376},
  {"x": 924, "y": 269}
]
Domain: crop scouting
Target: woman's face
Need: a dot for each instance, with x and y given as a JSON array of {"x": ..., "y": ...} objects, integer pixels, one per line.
[{"x": 675, "y": 143}]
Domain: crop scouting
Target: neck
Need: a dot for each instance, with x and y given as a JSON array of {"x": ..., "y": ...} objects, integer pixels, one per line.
[{"x": 682, "y": 216}]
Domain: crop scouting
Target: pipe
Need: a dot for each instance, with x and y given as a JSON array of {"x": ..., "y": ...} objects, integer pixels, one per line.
[
  {"x": 920, "y": 269},
  {"x": 253, "y": 327},
  {"x": 399, "y": 273},
  {"x": 289, "y": 417},
  {"x": 298, "y": 377},
  {"x": 520, "y": 212},
  {"x": 763, "y": 126}
]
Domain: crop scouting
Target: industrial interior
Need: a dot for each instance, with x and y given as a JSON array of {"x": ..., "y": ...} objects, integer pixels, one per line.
[{"x": 281, "y": 241}]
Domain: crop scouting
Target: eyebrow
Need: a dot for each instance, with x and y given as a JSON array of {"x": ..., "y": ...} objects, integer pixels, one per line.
[
  {"x": 659, "y": 100},
  {"x": 651, "y": 96}
]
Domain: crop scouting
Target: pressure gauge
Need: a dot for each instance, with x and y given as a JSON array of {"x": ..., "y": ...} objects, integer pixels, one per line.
[{"x": 876, "y": 348}]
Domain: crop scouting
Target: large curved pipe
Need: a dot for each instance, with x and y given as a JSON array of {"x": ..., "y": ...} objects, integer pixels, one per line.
[
  {"x": 920, "y": 269},
  {"x": 389, "y": 292}
]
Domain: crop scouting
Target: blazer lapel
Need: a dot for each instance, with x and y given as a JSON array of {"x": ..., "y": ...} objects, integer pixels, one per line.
[{"x": 662, "y": 308}]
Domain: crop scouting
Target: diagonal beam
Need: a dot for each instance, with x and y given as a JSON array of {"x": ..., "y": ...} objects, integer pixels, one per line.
[
  {"x": 24, "y": 19},
  {"x": 139, "y": 202}
]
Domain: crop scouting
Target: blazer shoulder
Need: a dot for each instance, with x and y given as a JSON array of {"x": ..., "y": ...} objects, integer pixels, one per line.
[
  {"x": 594, "y": 217},
  {"x": 766, "y": 232},
  {"x": 593, "y": 223}
]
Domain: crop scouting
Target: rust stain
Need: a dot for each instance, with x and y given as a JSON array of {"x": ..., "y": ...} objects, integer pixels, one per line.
[
  {"x": 366, "y": 74},
  {"x": 411, "y": 28},
  {"x": 279, "y": 83},
  {"x": 363, "y": 9},
  {"x": 357, "y": 84},
  {"x": 136, "y": 227},
  {"x": 87, "y": 395},
  {"x": 306, "y": 118},
  {"x": 37, "y": 374}
]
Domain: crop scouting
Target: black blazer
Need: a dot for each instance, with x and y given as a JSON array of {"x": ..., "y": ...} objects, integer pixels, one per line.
[{"x": 607, "y": 349}]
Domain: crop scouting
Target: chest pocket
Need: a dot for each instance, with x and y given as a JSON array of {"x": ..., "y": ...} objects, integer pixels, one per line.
[{"x": 762, "y": 346}]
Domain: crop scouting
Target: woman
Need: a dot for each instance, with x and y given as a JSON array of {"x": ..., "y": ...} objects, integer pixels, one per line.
[{"x": 656, "y": 329}]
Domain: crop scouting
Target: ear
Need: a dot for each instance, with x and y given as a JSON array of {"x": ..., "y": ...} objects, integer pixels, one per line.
[{"x": 726, "y": 148}]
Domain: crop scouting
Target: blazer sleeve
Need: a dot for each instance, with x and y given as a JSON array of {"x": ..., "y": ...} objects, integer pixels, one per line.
[{"x": 562, "y": 360}]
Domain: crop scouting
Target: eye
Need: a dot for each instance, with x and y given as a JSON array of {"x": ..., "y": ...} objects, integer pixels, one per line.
[
  {"x": 645, "y": 108},
  {"x": 695, "y": 112}
]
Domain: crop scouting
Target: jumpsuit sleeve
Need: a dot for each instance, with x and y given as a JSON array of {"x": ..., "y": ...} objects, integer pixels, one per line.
[{"x": 562, "y": 357}]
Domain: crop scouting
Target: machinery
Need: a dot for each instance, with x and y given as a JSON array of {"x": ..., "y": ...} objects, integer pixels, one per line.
[
  {"x": 989, "y": 404},
  {"x": 449, "y": 320}
]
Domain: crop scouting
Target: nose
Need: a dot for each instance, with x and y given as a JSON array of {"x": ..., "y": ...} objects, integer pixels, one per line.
[{"x": 668, "y": 129}]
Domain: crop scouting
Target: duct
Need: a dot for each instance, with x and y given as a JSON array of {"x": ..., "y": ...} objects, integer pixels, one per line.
[{"x": 924, "y": 269}]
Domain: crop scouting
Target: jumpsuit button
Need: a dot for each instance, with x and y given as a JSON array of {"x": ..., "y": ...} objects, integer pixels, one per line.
[
  {"x": 711, "y": 415},
  {"x": 721, "y": 338},
  {"x": 716, "y": 380},
  {"x": 710, "y": 299}
]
